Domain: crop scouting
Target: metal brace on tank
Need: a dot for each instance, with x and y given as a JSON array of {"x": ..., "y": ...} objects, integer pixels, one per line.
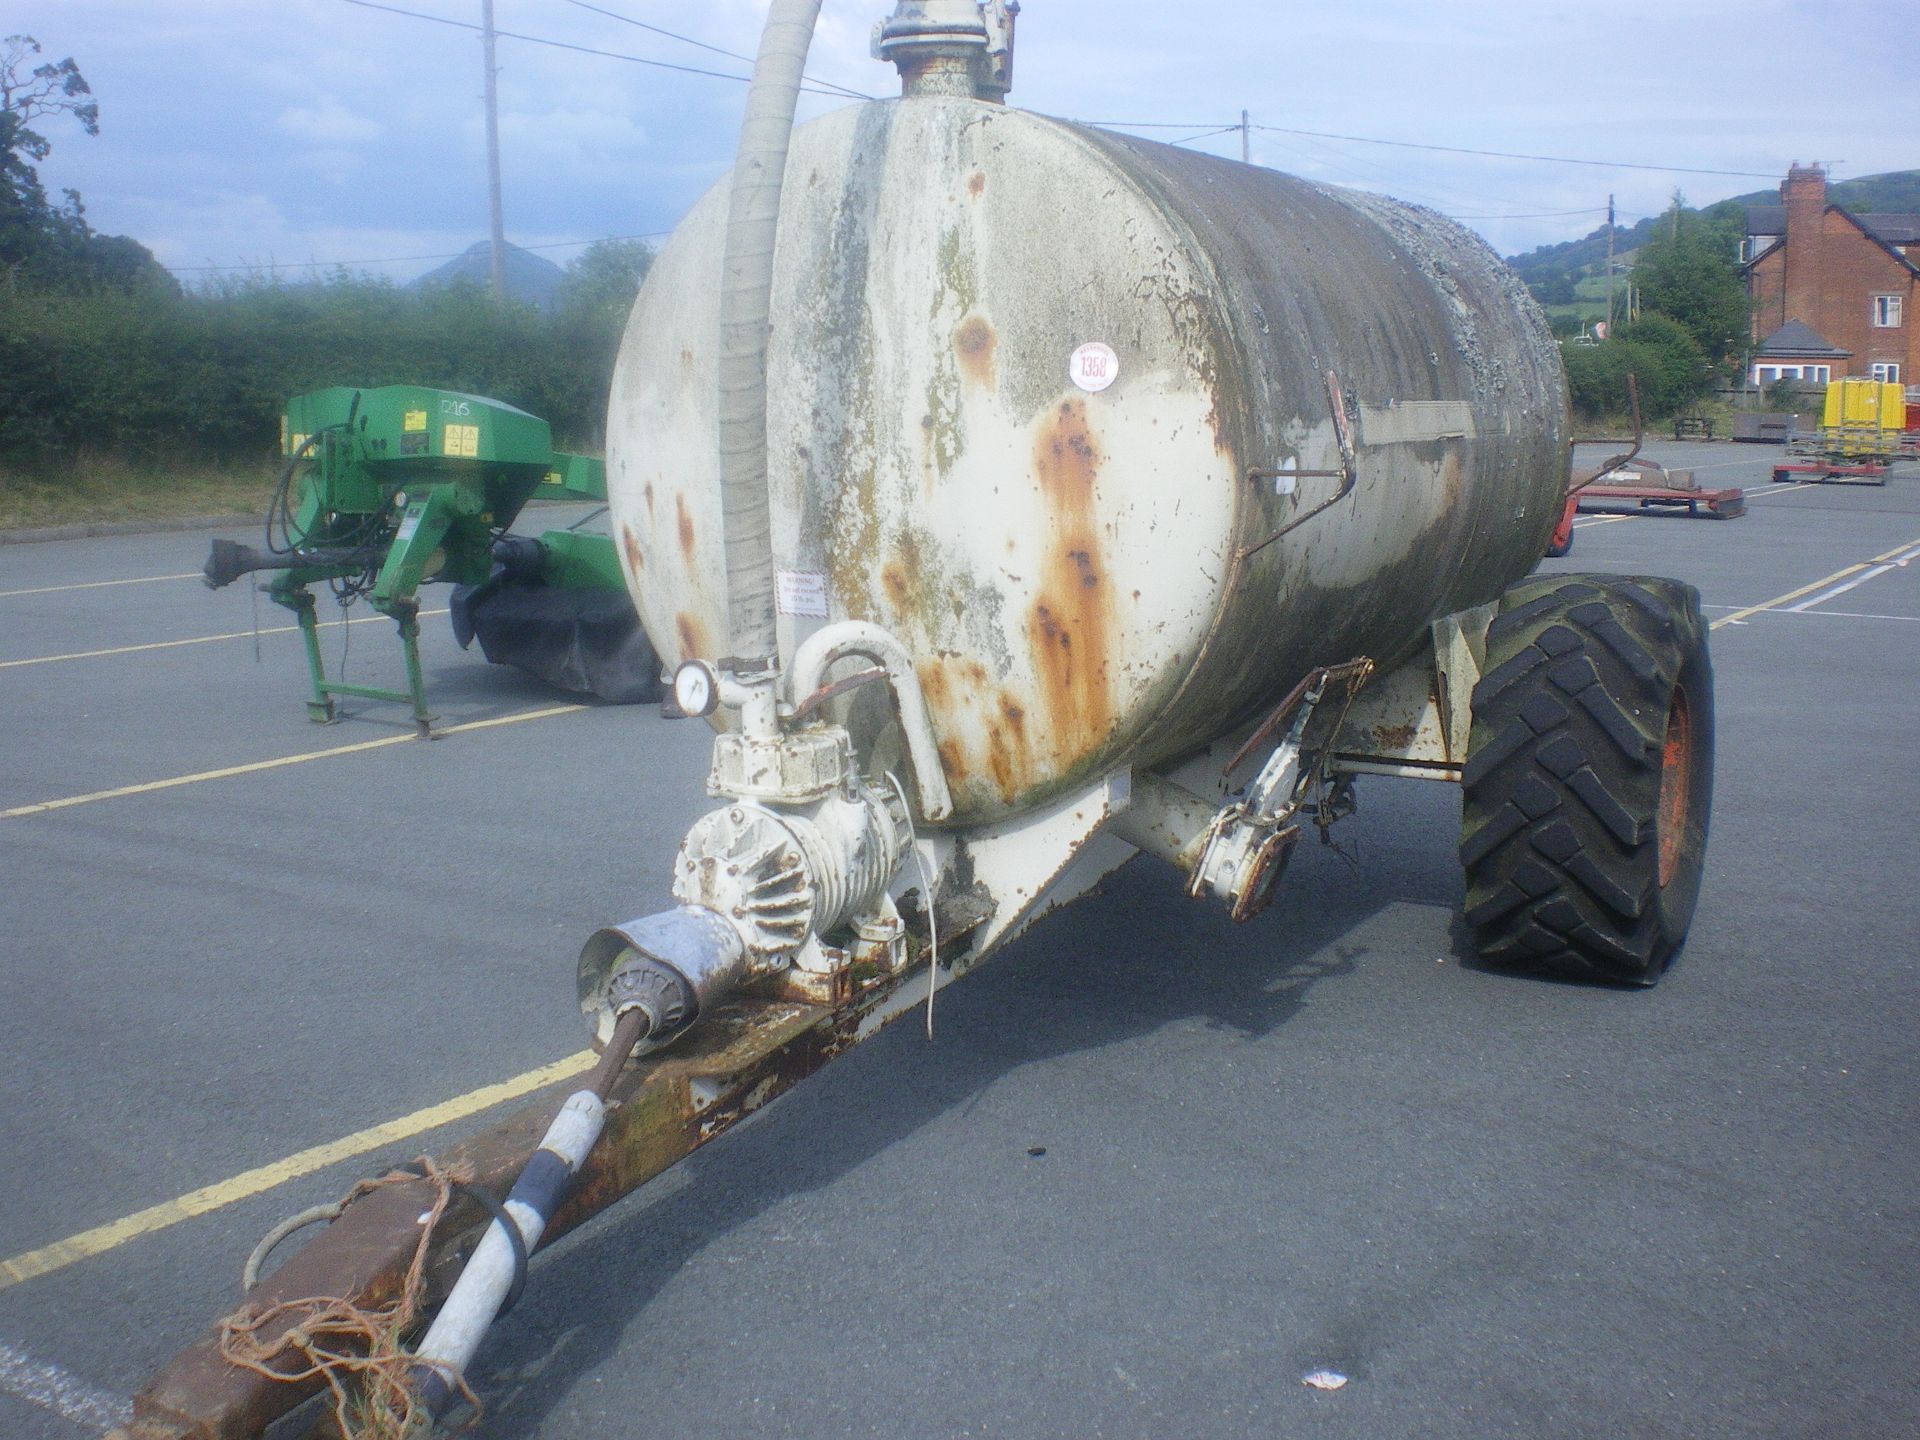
[
  {"x": 1348, "y": 474},
  {"x": 1252, "y": 837}
]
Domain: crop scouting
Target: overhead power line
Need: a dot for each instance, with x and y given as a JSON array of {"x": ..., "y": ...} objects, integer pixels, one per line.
[
  {"x": 1421, "y": 145},
  {"x": 579, "y": 49},
  {"x": 1535, "y": 214},
  {"x": 398, "y": 259},
  {"x": 847, "y": 90},
  {"x": 1206, "y": 135},
  {"x": 1513, "y": 155}
]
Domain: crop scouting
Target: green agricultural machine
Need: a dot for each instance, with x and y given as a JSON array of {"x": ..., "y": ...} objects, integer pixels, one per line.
[{"x": 390, "y": 487}]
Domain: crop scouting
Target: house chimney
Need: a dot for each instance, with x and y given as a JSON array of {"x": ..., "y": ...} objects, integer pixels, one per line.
[{"x": 1804, "y": 194}]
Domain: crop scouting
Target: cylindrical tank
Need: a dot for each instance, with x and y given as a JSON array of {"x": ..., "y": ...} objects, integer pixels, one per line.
[{"x": 1075, "y": 558}]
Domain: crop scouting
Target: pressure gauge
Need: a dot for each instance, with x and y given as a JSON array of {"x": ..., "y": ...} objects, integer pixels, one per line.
[{"x": 696, "y": 689}]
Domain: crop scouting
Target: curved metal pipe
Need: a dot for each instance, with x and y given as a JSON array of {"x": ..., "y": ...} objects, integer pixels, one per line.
[
  {"x": 816, "y": 656},
  {"x": 746, "y": 294}
]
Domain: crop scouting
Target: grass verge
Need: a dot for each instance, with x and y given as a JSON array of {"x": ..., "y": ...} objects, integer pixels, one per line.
[{"x": 107, "y": 492}]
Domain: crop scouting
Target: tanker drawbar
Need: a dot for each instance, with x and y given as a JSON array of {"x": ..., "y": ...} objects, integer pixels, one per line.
[{"x": 1013, "y": 498}]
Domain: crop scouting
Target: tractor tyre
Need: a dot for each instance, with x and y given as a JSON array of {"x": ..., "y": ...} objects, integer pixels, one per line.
[{"x": 1589, "y": 777}]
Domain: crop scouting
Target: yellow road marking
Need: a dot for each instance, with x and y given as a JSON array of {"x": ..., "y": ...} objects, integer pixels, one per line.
[
  {"x": 196, "y": 640},
  {"x": 1592, "y": 520},
  {"x": 98, "y": 584},
  {"x": 148, "y": 787},
  {"x": 249, "y": 1183},
  {"x": 1811, "y": 586}
]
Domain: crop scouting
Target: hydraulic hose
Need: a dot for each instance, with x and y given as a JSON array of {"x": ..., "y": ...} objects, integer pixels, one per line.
[
  {"x": 500, "y": 1258},
  {"x": 746, "y": 296}
]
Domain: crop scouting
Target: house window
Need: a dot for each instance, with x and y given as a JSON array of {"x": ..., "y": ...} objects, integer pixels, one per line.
[
  {"x": 1886, "y": 311},
  {"x": 1887, "y": 371},
  {"x": 1814, "y": 374}
]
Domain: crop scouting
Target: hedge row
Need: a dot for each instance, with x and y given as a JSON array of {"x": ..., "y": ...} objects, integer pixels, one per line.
[{"x": 166, "y": 379}]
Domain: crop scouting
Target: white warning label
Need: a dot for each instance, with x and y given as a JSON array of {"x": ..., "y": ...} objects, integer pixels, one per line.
[{"x": 801, "y": 592}]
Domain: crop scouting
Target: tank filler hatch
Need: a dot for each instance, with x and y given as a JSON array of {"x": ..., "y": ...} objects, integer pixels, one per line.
[{"x": 958, "y": 48}]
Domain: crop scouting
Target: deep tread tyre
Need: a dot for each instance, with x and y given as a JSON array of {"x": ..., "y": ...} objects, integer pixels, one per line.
[{"x": 1589, "y": 776}]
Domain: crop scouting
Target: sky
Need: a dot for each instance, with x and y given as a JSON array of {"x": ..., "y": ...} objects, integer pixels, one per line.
[{"x": 237, "y": 134}]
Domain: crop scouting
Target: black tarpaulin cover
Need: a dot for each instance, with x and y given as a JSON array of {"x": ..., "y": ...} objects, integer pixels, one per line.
[{"x": 586, "y": 641}]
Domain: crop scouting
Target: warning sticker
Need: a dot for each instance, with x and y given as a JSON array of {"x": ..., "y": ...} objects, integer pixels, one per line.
[
  {"x": 1094, "y": 366},
  {"x": 801, "y": 592},
  {"x": 462, "y": 440},
  {"x": 413, "y": 420}
]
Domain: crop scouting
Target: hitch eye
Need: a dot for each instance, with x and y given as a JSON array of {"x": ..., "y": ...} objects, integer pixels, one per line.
[{"x": 696, "y": 689}]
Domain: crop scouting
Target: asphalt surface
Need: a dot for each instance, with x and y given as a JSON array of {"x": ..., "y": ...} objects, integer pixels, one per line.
[{"x": 1323, "y": 1140}]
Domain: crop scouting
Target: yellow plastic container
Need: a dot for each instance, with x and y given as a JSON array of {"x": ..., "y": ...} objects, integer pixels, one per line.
[{"x": 1875, "y": 404}]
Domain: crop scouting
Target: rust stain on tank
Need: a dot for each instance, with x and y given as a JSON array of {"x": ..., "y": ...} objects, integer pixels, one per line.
[
  {"x": 974, "y": 344},
  {"x": 1009, "y": 760},
  {"x": 894, "y": 580},
  {"x": 686, "y": 527},
  {"x": 977, "y": 183},
  {"x": 1070, "y": 623},
  {"x": 693, "y": 640},
  {"x": 933, "y": 684},
  {"x": 1394, "y": 738},
  {"x": 953, "y": 761},
  {"x": 647, "y": 493},
  {"x": 630, "y": 543}
]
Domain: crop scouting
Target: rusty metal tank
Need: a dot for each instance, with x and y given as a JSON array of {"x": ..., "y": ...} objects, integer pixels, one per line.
[{"x": 1040, "y": 398}]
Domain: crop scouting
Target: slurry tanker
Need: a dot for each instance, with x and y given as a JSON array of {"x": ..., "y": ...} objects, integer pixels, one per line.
[{"x": 1013, "y": 497}]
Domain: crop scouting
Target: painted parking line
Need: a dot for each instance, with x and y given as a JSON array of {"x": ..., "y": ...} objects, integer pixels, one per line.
[
  {"x": 148, "y": 787},
  {"x": 1830, "y": 614},
  {"x": 102, "y": 1238},
  {"x": 54, "y": 1388},
  {"x": 195, "y": 640},
  {"x": 1737, "y": 616},
  {"x": 100, "y": 584},
  {"x": 1898, "y": 562}
]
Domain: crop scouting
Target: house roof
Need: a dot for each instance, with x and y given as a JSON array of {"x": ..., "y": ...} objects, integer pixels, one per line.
[
  {"x": 1894, "y": 229},
  {"x": 1888, "y": 228},
  {"x": 1797, "y": 340},
  {"x": 1896, "y": 224}
]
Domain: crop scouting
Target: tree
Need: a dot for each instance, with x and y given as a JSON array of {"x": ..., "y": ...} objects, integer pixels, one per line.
[
  {"x": 605, "y": 277},
  {"x": 46, "y": 241},
  {"x": 1667, "y": 365},
  {"x": 1690, "y": 271}
]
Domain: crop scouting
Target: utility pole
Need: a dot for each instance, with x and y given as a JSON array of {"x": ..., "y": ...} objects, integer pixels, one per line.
[
  {"x": 499, "y": 265},
  {"x": 1609, "y": 265},
  {"x": 1246, "y": 139}
]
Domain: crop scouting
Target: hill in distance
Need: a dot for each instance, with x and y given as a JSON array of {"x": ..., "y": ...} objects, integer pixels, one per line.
[
  {"x": 1897, "y": 191},
  {"x": 531, "y": 279}
]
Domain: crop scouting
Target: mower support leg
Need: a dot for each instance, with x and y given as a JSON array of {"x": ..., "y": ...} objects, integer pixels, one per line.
[
  {"x": 407, "y": 614},
  {"x": 320, "y": 708},
  {"x": 422, "y": 535}
]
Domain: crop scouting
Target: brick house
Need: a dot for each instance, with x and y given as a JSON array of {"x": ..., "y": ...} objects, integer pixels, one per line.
[{"x": 1834, "y": 293}]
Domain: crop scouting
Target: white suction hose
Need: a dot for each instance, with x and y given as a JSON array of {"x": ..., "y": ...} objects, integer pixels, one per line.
[{"x": 745, "y": 306}]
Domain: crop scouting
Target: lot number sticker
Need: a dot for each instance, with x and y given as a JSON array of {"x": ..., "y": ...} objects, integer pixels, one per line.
[{"x": 1094, "y": 366}]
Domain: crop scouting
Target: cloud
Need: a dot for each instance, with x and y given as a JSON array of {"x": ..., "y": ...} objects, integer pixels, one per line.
[
  {"x": 572, "y": 140},
  {"x": 314, "y": 92},
  {"x": 329, "y": 123}
]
